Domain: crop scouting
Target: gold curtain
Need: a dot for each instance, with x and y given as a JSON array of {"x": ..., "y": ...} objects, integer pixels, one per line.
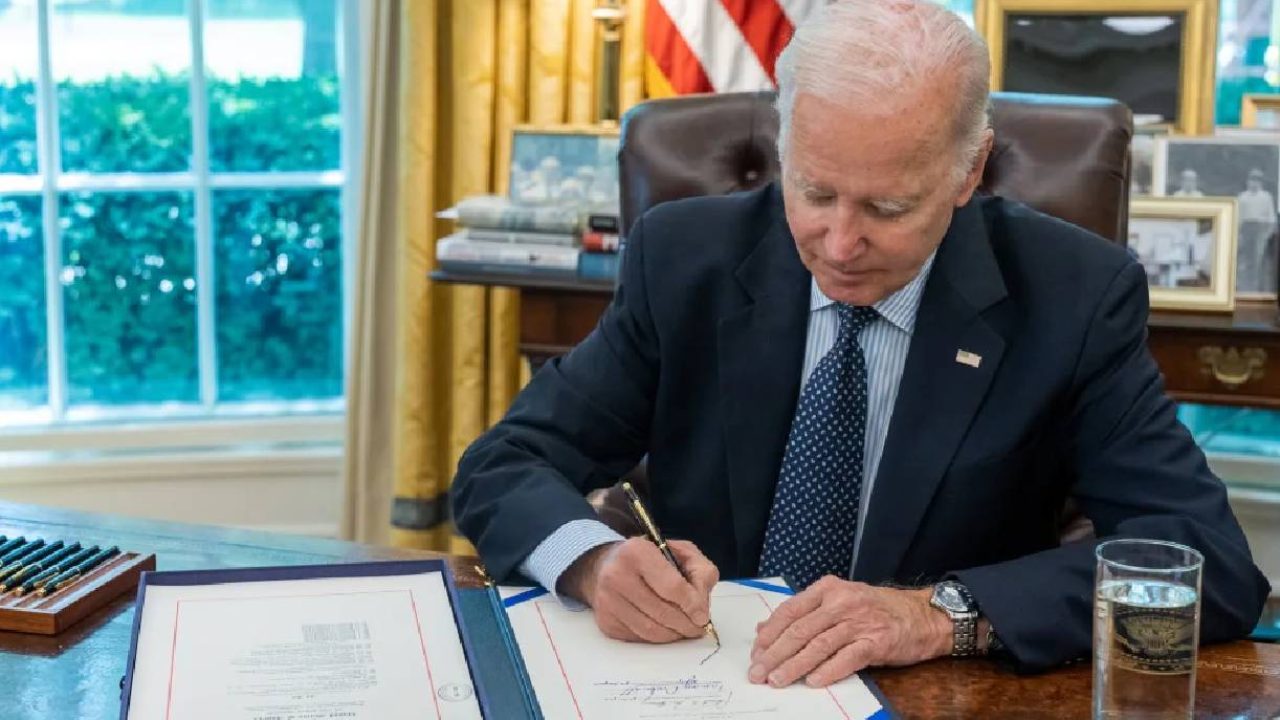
[{"x": 468, "y": 70}]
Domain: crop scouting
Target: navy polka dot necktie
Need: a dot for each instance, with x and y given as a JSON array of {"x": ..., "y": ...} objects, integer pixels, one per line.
[{"x": 815, "y": 507}]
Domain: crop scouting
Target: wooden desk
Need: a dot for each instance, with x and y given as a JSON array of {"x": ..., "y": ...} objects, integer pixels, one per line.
[
  {"x": 555, "y": 314},
  {"x": 1204, "y": 358},
  {"x": 77, "y": 674}
]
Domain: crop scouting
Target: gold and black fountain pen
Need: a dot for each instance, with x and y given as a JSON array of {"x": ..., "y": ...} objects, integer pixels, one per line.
[{"x": 642, "y": 514}]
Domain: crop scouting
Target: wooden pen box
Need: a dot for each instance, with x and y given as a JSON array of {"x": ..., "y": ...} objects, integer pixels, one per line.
[{"x": 50, "y": 615}]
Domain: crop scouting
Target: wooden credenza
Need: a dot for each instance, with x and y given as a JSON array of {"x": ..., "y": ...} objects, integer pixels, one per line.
[
  {"x": 1220, "y": 359},
  {"x": 1214, "y": 359}
]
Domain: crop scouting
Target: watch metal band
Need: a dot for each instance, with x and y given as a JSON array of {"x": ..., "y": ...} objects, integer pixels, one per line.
[{"x": 965, "y": 637}]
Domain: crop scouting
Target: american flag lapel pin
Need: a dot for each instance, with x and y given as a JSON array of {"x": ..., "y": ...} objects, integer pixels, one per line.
[{"x": 964, "y": 357}]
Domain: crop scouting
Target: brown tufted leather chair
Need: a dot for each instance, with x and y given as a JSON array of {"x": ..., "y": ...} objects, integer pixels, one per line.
[{"x": 1065, "y": 156}]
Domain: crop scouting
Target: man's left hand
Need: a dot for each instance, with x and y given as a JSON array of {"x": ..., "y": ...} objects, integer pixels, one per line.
[{"x": 836, "y": 627}]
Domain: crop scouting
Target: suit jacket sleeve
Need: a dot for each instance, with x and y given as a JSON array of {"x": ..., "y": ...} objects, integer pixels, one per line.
[
  {"x": 580, "y": 424},
  {"x": 1138, "y": 474}
]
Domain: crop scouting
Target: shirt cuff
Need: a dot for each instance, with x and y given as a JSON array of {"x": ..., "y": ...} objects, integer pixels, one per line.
[{"x": 561, "y": 548}]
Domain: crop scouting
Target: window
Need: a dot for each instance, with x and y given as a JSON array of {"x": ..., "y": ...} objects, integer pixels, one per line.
[
  {"x": 173, "y": 202},
  {"x": 1248, "y": 55}
]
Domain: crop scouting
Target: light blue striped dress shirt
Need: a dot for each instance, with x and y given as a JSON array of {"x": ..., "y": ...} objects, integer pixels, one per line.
[{"x": 884, "y": 342}]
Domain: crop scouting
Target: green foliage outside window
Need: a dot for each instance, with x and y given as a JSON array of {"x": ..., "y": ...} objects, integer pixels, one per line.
[
  {"x": 23, "y": 367},
  {"x": 278, "y": 296},
  {"x": 128, "y": 292},
  {"x": 128, "y": 265}
]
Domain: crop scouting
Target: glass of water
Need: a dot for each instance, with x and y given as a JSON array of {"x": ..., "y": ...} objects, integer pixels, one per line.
[{"x": 1146, "y": 629}]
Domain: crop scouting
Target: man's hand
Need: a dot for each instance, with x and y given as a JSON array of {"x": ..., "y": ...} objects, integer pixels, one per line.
[
  {"x": 637, "y": 595},
  {"x": 835, "y": 628}
]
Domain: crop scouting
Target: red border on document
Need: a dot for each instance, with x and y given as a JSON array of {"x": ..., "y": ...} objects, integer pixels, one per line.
[
  {"x": 173, "y": 659},
  {"x": 413, "y": 608},
  {"x": 559, "y": 662},
  {"x": 435, "y": 698},
  {"x": 830, "y": 694}
]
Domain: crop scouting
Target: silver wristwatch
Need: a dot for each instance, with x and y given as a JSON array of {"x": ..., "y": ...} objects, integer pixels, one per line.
[{"x": 957, "y": 602}]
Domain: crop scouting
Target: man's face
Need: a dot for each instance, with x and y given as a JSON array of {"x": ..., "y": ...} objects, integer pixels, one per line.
[
  {"x": 1189, "y": 180},
  {"x": 1254, "y": 184},
  {"x": 869, "y": 197}
]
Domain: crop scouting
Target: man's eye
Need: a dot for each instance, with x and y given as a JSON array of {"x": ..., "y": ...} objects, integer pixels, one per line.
[
  {"x": 889, "y": 213},
  {"x": 820, "y": 198}
]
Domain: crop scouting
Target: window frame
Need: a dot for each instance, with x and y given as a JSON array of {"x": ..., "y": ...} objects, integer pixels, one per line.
[{"x": 50, "y": 182}]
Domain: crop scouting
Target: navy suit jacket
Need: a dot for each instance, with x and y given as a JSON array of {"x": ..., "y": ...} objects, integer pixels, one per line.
[{"x": 697, "y": 364}]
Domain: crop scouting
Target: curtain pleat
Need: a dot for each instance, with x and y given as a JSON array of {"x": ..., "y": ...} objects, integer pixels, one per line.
[{"x": 457, "y": 76}]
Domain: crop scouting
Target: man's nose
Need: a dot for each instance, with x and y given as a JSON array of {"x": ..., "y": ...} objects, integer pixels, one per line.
[{"x": 846, "y": 238}]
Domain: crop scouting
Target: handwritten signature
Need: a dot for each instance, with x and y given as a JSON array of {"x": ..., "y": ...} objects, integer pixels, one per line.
[{"x": 688, "y": 692}]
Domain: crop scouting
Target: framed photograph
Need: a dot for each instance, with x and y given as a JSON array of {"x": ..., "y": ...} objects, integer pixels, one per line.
[
  {"x": 563, "y": 164},
  {"x": 1142, "y": 154},
  {"x": 1260, "y": 111},
  {"x": 1187, "y": 246},
  {"x": 1155, "y": 56},
  {"x": 1240, "y": 167}
]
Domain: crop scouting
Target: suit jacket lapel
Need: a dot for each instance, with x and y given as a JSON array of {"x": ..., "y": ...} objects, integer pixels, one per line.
[
  {"x": 761, "y": 354},
  {"x": 938, "y": 395}
]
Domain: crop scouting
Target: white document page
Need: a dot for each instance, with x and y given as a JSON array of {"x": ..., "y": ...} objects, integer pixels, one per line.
[
  {"x": 577, "y": 672},
  {"x": 317, "y": 649}
]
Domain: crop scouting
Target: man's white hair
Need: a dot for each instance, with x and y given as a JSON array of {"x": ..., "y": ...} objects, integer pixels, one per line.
[{"x": 856, "y": 53}]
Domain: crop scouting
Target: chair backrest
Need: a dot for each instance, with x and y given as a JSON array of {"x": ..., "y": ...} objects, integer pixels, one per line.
[{"x": 1065, "y": 156}]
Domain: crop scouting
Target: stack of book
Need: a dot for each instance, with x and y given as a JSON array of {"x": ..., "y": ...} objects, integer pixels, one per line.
[{"x": 496, "y": 235}]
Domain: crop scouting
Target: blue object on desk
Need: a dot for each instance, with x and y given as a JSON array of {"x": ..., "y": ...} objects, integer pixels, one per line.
[
  {"x": 599, "y": 266},
  {"x": 1265, "y": 633}
]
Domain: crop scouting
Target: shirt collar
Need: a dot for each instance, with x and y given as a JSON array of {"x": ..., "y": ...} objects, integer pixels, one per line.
[{"x": 899, "y": 308}]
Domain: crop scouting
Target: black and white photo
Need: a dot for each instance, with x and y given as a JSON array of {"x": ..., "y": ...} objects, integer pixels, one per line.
[
  {"x": 1175, "y": 252},
  {"x": 1142, "y": 155},
  {"x": 1244, "y": 168},
  {"x": 1187, "y": 247}
]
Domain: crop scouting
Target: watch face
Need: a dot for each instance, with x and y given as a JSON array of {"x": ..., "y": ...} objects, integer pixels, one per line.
[{"x": 950, "y": 598}]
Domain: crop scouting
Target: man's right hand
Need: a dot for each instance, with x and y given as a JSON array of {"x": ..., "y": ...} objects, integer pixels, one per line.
[{"x": 636, "y": 594}]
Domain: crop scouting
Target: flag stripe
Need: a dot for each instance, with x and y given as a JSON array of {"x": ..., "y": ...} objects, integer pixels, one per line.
[
  {"x": 672, "y": 55},
  {"x": 695, "y": 46},
  {"x": 765, "y": 28},
  {"x": 656, "y": 84},
  {"x": 716, "y": 39}
]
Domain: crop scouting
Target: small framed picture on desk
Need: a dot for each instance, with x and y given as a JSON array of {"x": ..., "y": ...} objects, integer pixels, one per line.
[
  {"x": 565, "y": 164},
  {"x": 1187, "y": 247},
  {"x": 1243, "y": 167},
  {"x": 1260, "y": 111}
]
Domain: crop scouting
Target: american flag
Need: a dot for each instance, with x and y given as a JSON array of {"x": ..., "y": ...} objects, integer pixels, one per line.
[{"x": 697, "y": 46}]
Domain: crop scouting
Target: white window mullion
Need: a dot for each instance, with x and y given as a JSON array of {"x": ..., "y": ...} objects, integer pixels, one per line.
[
  {"x": 294, "y": 179},
  {"x": 50, "y": 159},
  {"x": 125, "y": 182},
  {"x": 14, "y": 184},
  {"x": 206, "y": 337}
]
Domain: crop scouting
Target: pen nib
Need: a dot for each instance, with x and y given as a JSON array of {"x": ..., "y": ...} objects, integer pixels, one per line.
[{"x": 711, "y": 630}]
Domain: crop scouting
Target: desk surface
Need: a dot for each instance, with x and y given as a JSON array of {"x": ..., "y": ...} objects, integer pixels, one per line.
[{"x": 77, "y": 674}]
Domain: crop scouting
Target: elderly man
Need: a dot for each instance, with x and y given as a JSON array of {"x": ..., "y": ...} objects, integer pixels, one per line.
[{"x": 868, "y": 381}]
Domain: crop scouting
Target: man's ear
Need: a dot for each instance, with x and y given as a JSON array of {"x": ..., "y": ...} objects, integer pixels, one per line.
[{"x": 974, "y": 178}]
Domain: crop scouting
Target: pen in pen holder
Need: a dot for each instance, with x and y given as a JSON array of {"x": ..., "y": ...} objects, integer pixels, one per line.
[
  {"x": 642, "y": 514},
  {"x": 48, "y": 584}
]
